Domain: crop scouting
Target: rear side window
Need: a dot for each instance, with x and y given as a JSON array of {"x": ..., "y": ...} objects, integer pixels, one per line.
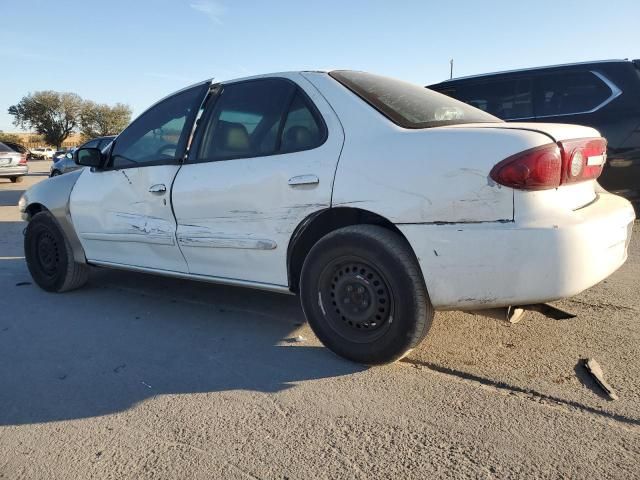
[
  {"x": 506, "y": 99},
  {"x": 569, "y": 93},
  {"x": 5, "y": 149},
  {"x": 408, "y": 105},
  {"x": 259, "y": 118}
]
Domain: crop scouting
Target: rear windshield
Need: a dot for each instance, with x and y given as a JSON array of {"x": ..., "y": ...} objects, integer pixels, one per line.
[
  {"x": 4, "y": 148},
  {"x": 409, "y": 105}
]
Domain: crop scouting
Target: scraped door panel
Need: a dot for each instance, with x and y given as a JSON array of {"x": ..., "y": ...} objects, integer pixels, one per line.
[
  {"x": 235, "y": 217},
  {"x": 120, "y": 221}
]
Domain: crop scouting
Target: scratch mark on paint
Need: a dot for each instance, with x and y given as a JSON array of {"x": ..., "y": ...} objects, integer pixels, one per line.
[{"x": 126, "y": 176}]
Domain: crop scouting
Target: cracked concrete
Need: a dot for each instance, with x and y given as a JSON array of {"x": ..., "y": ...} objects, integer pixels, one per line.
[{"x": 140, "y": 377}]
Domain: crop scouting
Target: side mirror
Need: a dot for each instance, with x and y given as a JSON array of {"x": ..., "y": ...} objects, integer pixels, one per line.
[{"x": 88, "y": 157}]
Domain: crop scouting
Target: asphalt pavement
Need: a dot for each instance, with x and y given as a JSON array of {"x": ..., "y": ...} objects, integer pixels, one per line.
[{"x": 136, "y": 376}]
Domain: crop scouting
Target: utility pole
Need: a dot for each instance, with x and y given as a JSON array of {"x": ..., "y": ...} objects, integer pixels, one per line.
[{"x": 451, "y": 69}]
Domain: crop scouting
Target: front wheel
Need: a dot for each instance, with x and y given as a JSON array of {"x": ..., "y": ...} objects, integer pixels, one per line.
[
  {"x": 49, "y": 256},
  {"x": 16, "y": 179},
  {"x": 363, "y": 294}
]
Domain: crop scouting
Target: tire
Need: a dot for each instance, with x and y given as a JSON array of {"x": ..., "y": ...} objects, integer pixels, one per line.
[
  {"x": 364, "y": 296},
  {"x": 16, "y": 179},
  {"x": 49, "y": 256},
  {"x": 55, "y": 173}
]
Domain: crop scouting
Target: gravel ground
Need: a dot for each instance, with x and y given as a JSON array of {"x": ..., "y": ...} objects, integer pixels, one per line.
[{"x": 141, "y": 377}]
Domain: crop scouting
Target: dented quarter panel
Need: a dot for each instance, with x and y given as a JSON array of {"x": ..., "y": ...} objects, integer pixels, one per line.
[
  {"x": 421, "y": 176},
  {"x": 54, "y": 194},
  {"x": 236, "y": 217}
]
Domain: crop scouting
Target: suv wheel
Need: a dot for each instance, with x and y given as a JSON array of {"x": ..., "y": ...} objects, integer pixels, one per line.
[{"x": 363, "y": 294}]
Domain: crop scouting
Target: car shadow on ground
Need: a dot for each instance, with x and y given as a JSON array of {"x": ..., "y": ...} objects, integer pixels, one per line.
[
  {"x": 10, "y": 198},
  {"x": 127, "y": 337}
]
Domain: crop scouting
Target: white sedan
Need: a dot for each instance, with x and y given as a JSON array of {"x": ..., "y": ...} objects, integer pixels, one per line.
[{"x": 377, "y": 201}]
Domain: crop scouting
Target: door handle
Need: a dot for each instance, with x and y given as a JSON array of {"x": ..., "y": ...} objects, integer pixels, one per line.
[
  {"x": 158, "y": 188},
  {"x": 304, "y": 180}
]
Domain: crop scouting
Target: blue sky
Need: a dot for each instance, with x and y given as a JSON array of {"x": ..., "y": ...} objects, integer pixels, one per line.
[{"x": 136, "y": 51}]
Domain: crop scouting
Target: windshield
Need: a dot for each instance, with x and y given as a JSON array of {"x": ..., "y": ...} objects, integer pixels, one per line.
[{"x": 409, "y": 105}]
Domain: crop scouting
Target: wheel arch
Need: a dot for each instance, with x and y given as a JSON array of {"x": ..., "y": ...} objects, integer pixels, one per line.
[{"x": 319, "y": 224}]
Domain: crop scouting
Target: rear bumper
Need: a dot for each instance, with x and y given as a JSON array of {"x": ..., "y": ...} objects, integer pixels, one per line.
[
  {"x": 485, "y": 265},
  {"x": 13, "y": 171}
]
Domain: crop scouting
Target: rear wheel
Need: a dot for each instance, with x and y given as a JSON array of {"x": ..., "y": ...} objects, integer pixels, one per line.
[
  {"x": 55, "y": 173},
  {"x": 16, "y": 179},
  {"x": 364, "y": 296},
  {"x": 49, "y": 256}
]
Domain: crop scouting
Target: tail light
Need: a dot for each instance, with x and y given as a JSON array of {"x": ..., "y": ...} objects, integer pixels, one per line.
[
  {"x": 23, "y": 159},
  {"x": 552, "y": 165}
]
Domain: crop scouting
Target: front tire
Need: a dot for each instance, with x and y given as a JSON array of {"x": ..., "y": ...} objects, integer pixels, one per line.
[
  {"x": 363, "y": 294},
  {"x": 16, "y": 179},
  {"x": 49, "y": 256}
]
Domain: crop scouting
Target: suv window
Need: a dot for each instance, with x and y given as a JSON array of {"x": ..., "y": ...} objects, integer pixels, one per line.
[
  {"x": 91, "y": 144},
  {"x": 246, "y": 120},
  {"x": 569, "y": 93},
  {"x": 409, "y": 105},
  {"x": 159, "y": 135},
  {"x": 506, "y": 99}
]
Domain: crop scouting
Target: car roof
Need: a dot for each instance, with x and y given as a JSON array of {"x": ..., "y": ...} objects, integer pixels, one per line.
[{"x": 533, "y": 69}]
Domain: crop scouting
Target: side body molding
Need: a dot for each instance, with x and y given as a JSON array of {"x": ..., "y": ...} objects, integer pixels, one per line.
[{"x": 54, "y": 194}]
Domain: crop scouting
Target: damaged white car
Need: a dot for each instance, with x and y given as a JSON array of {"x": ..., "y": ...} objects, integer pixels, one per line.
[{"x": 376, "y": 201}]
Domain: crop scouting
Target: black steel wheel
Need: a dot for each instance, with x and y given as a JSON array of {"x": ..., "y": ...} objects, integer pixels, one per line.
[
  {"x": 363, "y": 293},
  {"x": 49, "y": 256}
]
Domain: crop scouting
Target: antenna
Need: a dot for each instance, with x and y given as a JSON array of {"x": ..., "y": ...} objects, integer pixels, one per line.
[{"x": 451, "y": 69}]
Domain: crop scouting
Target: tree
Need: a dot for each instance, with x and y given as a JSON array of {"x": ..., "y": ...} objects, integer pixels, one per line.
[
  {"x": 98, "y": 120},
  {"x": 54, "y": 115},
  {"x": 10, "y": 137}
]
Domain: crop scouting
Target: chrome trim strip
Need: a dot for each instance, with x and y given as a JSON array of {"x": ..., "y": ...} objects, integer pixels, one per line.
[
  {"x": 209, "y": 241},
  {"x": 130, "y": 237},
  {"x": 201, "y": 278}
]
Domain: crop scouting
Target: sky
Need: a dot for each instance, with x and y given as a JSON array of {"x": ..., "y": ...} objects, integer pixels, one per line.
[{"x": 138, "y": 51}]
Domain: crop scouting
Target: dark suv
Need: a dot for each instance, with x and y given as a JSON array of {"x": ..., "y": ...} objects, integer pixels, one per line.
[{"x": 604, "y": 95}]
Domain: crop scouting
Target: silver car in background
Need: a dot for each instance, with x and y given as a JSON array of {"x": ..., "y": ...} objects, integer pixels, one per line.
[
  {"x": 66, "y": 163},
  {"x": 13, "y": 164}
]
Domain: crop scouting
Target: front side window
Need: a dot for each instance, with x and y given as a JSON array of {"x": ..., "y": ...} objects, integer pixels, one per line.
[
  {"x": 91, "y": 144},
  {"x": 160, "y": 134},
  {"x": 569, "y": 93},
  {"x": 258, "y": 118},
  {"x": 409, "y": 105},
  {"x": 506, "y": 99}
]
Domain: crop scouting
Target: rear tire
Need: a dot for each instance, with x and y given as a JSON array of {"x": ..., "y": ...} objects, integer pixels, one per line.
[
  {"x": 16, "y": 179},
  {"x": 364, "y": 296},
  {"x": 49, "y": 256},
  {"x": 55, "y": 173}
]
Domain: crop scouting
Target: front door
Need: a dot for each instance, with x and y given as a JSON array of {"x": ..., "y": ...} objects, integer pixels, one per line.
[
  {"x": 123, "y": 213},
  {"x": 263, "y": 160}
]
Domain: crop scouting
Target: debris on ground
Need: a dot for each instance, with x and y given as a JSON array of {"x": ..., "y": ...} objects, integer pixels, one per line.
[
  {"x": 596, "y": 372},
  {"x": 299, "y": 339}
]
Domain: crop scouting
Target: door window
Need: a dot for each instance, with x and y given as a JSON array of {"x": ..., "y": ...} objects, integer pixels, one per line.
[
  {"x": 569, "y": 93},
  {"x": 160, "y": 134},
  {"x": 259, "y": 118},
  {"x": 506, "y": 99},
  {"x": 91, "y": 144}
]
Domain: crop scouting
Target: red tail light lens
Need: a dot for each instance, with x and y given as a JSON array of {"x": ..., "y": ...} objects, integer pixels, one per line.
[
  {"x": 584, "y": 159},
  {"x": 552, "y": 165},
  {"x": 535, "y": 169},
  {"x": 23, "y": 159}
]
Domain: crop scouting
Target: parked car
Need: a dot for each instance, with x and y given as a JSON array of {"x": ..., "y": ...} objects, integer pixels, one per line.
[
  {"x": 42, "y": 153},
  {"x": 13, "y": 164},
  {"x": 19, "y": 148},
  {"x": 377, "y": 201},
  {"x": 58, "y": 154},
  {"x": 65, "y": 163},
  {"x": 604, "y": 95}
]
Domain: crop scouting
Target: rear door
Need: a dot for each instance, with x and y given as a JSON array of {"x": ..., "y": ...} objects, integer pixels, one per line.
[
  {"x": 262, "y": 161},
  {"x": 123, "y": 213}
]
